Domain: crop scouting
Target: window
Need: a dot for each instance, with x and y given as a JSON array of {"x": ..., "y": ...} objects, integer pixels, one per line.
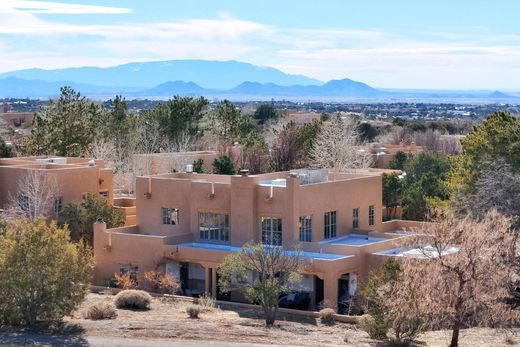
[
  {"x": 104, "y": 194},
  {"x": 355, "y": 218},
  {"x": 330, "y": 224},
  {"x": 23, "y": 203},
  {"x": 271, "y": 231},
  {"x": 170, "y": 216},
  {"x": 306, "y": 228},
  {"x": 371, "y": 215},
  {"x": 58, "y": 204},
  {"x": 214, "y": 226}
]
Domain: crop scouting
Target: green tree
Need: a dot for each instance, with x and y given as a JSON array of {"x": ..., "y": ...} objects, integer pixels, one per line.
[
  {"x": 181, "y": 116},
  {"x": 305, "y": 140},
  {"x": 274, "y": 269},
  {"x": 264, "y": 113},
  {"x": 80, "y": 217},
  {"x": 367, "y": 132},
  {"x": 5, "y": 150},
  {"x": 66, "y": 127},
  {"x": 198, "y": 166},
  {"x": 393, "y": 186},
  {"x": 223, "y": 165},
  {"x": 379, "y": 287},
  {"x": 426, "y": 176},
  {"x": 399, "y": 160},
  {"x": 497, "y": 138},
  {"x": 43, "y": 276},
  {"x": 227, "y": 118}
]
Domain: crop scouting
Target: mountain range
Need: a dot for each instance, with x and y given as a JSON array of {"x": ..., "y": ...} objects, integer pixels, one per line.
[{"x": 214, "y": 79}]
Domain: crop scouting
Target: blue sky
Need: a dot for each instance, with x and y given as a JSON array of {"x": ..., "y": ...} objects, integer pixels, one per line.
[{"x": 402, "y": 44}]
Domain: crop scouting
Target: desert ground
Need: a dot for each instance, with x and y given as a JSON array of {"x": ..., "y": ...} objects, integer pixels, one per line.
[{"x": 167, "y": 324}]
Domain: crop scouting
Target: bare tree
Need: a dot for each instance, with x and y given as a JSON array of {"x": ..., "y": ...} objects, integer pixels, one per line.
[
  {"x": 459, "y": 275},
  {"x": 338, "y": 146},
  {"x": 450, "y": 145},
  {"x": 429, "y": 139},
  {"x": 275, "y": 270},
  {"x": 498, "y": 187},
  {"x": 283, "y": 146},
  {"x": 35, "y": 197}
]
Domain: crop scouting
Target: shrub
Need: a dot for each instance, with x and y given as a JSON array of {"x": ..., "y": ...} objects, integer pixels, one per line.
[
  {"x": 375, "y": 328},
  {"x": 124, "y": 281},
  {"x": 206, "y": 302},
  {"x": 193, "y": 311},
  {"x": 43, "y": 276},
  {"x": 133, "y": 299},
  {"x": 327, "y": 316},
  {"x": 101, "y": 310},
  {"x": 161, "y": 282}
]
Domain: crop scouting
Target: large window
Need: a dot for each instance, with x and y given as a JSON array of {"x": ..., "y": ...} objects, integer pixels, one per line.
[
  {"x": 371, "y": 215},
  {"x": 330, "y": 224},
  {"x": 355, "y": 218},
  {"x": 170, "y": 216},
  {"x": 214, "y": 226},
  {"x": 23, "y": 203},
  {"x": 271, "y": 231},
  {"x": 306, "y": 228},
  {"x": 58, "y": 204}
]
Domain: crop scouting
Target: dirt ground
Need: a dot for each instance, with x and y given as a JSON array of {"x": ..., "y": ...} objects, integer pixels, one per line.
[{"x": 167, "y": 319}]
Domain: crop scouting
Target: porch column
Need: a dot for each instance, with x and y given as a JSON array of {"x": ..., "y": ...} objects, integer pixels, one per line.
[
  {"x": 330, "y": 297},
  {"x": 207, "y": 279},
  {"x": 214, "y": 283}
]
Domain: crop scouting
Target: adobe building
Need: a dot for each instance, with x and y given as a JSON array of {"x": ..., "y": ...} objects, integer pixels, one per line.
[
  {"x": 384, "y": 153},
  {"x": 188, "y": 222},
  {"x": 73, "y": 178}
]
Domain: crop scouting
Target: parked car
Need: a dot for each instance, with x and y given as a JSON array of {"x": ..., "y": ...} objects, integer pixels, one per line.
[{"x": 295, "y": 300}]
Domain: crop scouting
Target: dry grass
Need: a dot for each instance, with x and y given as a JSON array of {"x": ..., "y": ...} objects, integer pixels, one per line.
[
  {"x": 133, "y": 299},
  {"x": 193, "y": 311},
  {"x": 327, "y": 316},
  {"x": 168, "y": 319},
  {"x": 102, "y": 309}
]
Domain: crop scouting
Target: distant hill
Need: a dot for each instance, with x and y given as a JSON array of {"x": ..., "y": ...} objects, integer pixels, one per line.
[
  {"x": 21, "y": 88},
  {"x": 174, "y": 88},
  {"x": 208, "y": 74},
  {"x": 499, "y": 95},
  {"x": 336, "y": 88}
]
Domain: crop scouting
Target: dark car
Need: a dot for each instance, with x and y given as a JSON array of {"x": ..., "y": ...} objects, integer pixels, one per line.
[{"x": 296, "y": 300}]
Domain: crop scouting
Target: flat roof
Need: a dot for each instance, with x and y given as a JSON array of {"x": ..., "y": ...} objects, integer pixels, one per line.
[
  {"x": 228, "y": 248},
  {"x": 354, "y": 240},
  {"x": 422, "y": 253}
]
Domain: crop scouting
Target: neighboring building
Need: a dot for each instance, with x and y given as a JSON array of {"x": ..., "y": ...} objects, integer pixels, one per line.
[
  {"x": 72, "y": 178},
  {"x": 384, "y": 153},
  {"x": 18, "y": 120},
  {"x": 188, "y": 222},
  {"x": 169, "y": 162}
]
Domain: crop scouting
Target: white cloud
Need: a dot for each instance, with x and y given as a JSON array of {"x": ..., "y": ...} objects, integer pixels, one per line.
[
  {"x": 428, "y": 60},
  {"x": 49, "y": 7}
]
